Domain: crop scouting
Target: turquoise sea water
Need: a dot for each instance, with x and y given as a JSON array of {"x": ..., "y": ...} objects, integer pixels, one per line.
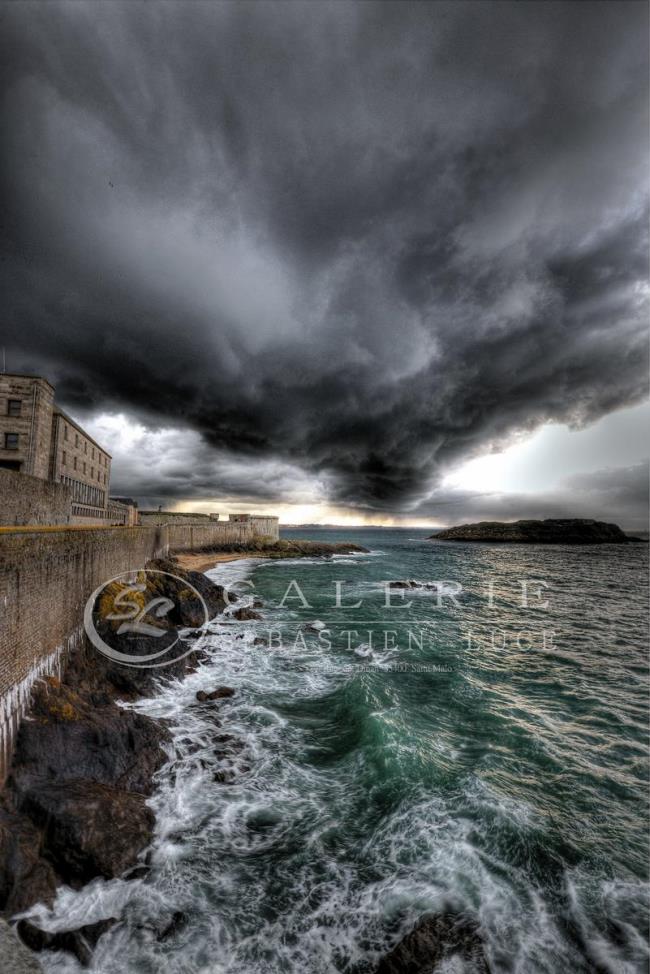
[{"x": 494, "y": 761}]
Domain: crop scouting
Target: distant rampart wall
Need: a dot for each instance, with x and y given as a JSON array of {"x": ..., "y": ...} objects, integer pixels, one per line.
[{"x": 197, "y": 537}]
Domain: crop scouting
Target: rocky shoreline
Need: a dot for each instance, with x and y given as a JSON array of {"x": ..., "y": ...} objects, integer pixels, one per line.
[
  {"x": 74, "y": 806},
  {"x": 204, "y": 560}
]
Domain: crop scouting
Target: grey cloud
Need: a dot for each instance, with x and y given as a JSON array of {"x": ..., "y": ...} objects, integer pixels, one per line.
[
  {"x": 357, "y": 241},
  {"x": 611, "y": 494}
]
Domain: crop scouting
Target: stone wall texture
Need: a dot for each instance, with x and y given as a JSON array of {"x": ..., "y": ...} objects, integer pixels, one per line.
[
  {"x": 173, "y": 517},
  {"x": 198, "y": 537},
  {"x": 30, "y": 500},
  {"x": 33, "y": 425}
]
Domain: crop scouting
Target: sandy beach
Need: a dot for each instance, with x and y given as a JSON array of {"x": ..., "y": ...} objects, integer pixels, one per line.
[{"x": 202, "y": 562}]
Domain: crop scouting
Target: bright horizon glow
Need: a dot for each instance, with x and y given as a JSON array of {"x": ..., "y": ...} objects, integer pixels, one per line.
[
  {"x": 553, "y": 453},
  {"x": 297, "y": 514}
]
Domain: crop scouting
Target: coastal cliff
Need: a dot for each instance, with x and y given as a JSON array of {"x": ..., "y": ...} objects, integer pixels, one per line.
[{"x": 578, "y": 531}]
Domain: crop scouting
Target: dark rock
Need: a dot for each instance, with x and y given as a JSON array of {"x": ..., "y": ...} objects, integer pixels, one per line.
[
  {"x": 289, "y": 549},
  {"x": 91, "y": 672},
  {"x": 244, "y": 614},
  {"x": 175, "y": 924},
  {"x": 217, "y": 694},
  {"x": 550, "y": 531},
  {"x": 316, "y": 627},
  {"x": 434, "y": 939},
  {"x": 25, "y": 876},
  {"x": 90, "y": 829},
  {"x": 137, "y": 872},
  {"x": 68, "y": 737},
  {"x": 188, "y": 610},
  {"x": 79, "y": 942},
  {"x": 412, "y": 584},
  {"x": 165, "y": 927},
  {"x": 211, "y": 715},
  {"x": 260, "y": 641},
  {"x": 180, "y": 587}
]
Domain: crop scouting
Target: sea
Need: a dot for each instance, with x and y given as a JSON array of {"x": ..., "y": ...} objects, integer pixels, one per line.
[{"x": 475, "y": 744}]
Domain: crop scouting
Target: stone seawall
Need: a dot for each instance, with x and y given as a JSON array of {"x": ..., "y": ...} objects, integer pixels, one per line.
[{"x": 46, "y": 577}]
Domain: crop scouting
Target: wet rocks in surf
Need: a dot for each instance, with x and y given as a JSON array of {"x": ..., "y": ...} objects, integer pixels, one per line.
[
  {"x": 26, "y": 877},
  {"x": 436, "y": 939},
  {"x": 220, "y": 693},
  {"x": 80, "y": 942},
  {"x": 246, "y": 614},
  {"x": 316, "y": 626},
  {"x": 412, "y": 584},
  {"x": 89, "y": 829}
]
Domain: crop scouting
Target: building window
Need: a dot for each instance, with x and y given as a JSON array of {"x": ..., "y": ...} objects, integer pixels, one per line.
[
  {"x": 84, "y": 466},
  {"x": 85, "y": 446},
  {"x": 93, "y": 453},
  {"x": 65, "y": 431},
  {"x": 11, "y": 441},
  {"x": 64, "y": 458},
  {"x": 13, "y": 407},
  {"x": 74, "y": 462},
  {"x": 92, "y": 473},
  {"x": 76, "y": 439}
]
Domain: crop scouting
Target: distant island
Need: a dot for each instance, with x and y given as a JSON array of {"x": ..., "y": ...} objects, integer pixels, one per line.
[{"x": 551, "y": 531}]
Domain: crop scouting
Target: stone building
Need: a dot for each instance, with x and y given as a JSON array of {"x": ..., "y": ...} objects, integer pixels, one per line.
[
  {"x": 124, "y": 511},
  {"x": 37, "y": 438},
  {"x": 78, "y": 461},
  {"x": 26, "y": 411}
]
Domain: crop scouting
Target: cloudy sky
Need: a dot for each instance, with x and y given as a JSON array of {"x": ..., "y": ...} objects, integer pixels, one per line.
[{"x": 344, "y": 261}]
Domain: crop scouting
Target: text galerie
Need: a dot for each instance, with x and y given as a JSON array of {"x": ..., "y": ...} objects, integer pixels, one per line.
[{"x": 531, "y": 594}]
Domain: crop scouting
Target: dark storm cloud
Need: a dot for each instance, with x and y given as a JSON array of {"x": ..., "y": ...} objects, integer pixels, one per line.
[{"x": 361, "y": 241}]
